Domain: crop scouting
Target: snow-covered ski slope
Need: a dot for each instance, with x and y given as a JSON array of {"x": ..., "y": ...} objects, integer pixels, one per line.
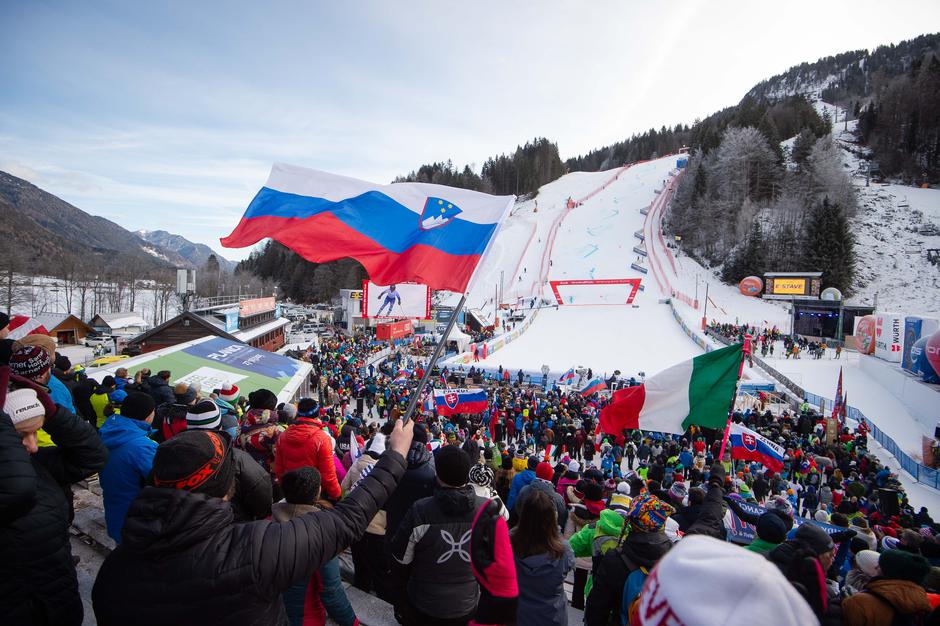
[{"x": 595, "y": 241}]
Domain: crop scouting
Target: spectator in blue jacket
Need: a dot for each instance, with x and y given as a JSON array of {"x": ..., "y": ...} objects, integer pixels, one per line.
[
  {"x": 126, "y": 436},
  {"x": 522, "y": 479}
]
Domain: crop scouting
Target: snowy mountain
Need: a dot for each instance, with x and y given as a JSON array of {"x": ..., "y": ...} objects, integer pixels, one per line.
[
  {"x": 195, "y": 254},
  {"x": 49, "y": 234}
]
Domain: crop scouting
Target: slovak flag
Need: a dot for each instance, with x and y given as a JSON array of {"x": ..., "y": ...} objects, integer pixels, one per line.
[
  {"x": 594, "y": 385},
  {"x": 403, "y": 232},
  {"x": 453, "y": 401},
  {"x": 751, "y": 446},
  {"x": 567, "y": 376}
]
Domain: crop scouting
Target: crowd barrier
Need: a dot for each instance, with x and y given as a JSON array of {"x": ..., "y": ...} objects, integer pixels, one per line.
[{"x": 921, "y": 473}]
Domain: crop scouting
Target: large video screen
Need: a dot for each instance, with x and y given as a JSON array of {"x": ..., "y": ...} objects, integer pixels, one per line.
[{"x": 409, "y": 300}]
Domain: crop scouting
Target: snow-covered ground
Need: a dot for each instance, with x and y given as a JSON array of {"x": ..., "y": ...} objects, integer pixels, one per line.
[{"x": 595, "y": 241}]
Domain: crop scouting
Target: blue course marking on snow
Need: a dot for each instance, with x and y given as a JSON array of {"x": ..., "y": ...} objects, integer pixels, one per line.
[
  {"x": 590, "y": 252},
  {"x": 591, "y": 232},
  {"x": 591, "y": 273},
  {"x": 613, "y": 213}
]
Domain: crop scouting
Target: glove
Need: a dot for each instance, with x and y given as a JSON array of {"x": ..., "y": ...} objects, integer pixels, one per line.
[{"x": 41, "y": 393}]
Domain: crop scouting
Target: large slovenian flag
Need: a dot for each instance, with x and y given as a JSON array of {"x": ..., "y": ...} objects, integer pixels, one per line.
[
  {"x": 401, "y": 232},
  {"x": 593, "y": 386},
  {"x": 752, "y": 446},
  {"x": 453, "y": 401},
  {"x": 697, "y": 391}
]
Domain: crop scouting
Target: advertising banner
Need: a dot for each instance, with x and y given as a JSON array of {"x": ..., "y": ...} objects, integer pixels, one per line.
[
  {"x": 409, "y": 300},
  {"x": 231, "y": 321},
  {"x": 888, "y": 336},
  {"x": 743, "y": 533},
  {"x": 257, "y": 305},
  {"x": 914, "y": 329},
  {"x": 241, "y": 356}
]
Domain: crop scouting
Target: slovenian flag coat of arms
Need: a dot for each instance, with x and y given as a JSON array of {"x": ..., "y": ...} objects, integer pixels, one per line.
[{"x": 402, "y": 232}]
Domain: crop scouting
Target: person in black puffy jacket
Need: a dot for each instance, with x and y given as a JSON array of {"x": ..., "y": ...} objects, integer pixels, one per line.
[
  {"x": 419, "y": 481},
  {"x": 184, "y": 561},
  {"x": 37, "y": 576}
]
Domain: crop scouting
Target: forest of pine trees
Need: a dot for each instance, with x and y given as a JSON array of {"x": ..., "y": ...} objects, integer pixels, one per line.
[{"x": 520, "y": 173}]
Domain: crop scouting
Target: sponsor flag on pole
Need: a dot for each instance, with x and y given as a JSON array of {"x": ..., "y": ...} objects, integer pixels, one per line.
[
  {"x": 748, "y": 445},
  {"x": 837, "y": 409},
  {"x": 594, "y": 385},
  {"x": 453, "y": 401},
  {"x": 403, "y": 232},
  {"x": 696, "y": 391}
]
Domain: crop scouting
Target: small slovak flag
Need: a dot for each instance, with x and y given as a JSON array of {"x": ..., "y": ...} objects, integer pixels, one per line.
[{"x": 567, "y": 376}]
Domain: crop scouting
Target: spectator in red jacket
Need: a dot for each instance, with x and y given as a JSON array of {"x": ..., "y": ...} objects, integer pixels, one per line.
[{"x": 306, "y": 444}]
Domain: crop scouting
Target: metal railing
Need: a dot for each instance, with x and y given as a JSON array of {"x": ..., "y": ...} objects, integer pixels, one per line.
[{"x": 921, "y": 473}]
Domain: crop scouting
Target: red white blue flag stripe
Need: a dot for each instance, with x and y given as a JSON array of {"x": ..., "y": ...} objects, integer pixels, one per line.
[
  {"x": 593, "y": 386},
  {"x": 752, "y": 446},
  {"x": 453, "y": 401},
  {"x": 416, "y": 232}
]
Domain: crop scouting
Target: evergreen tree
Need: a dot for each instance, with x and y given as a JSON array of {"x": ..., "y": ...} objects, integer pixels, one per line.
[{"x": 829, "y": 246}]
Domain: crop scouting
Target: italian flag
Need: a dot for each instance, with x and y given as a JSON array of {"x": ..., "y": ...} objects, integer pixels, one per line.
[{"x": 697, "y": 391}]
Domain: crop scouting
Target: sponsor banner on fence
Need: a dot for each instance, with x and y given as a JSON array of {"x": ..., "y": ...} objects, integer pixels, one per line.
[{"x": 743, "y": 533}]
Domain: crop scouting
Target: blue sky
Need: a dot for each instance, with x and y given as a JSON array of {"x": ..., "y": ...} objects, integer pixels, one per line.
[{"x": 168, "y": 115}]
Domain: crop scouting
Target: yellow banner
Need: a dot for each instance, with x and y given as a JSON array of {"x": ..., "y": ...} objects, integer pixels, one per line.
[{"x": 796, "y": 286}]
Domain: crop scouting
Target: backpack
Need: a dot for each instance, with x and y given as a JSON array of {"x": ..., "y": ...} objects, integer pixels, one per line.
[
  {"x": 631, "y": 592},
  {"x": 899, "y": 619}
]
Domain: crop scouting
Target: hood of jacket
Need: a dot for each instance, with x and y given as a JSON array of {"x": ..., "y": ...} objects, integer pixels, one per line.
[
  {"x": 905, "y": 596},
  {"x": 456, "y": 501},
  {"x": 645, "y": 549},
  {"x": 166, "y": 521},
  {"x": 118, "y": 430},
  {"x": 418, "y": 455},
  {"x": 610, "y": 523}
]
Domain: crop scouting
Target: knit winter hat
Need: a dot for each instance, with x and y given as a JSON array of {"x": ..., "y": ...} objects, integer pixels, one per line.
[
  {"x": 648, "y": 513},
  {"x": 574, "y": 466},
  {"x": 229, "y": 392},
  {"x": 262, "y": 399},
  {"x": 203, "y": 415},
  {"x": 453, "y": 466},
  {"x": 533, "y": 462},
  {"x": 903, "y": 565},
  {"x": 23, "y": 405},
  {"x": 678, "y": 492},
  {"x": 307, "y": 407},
  {"x": 815, "y": 537},
  {"x": 867, "y": 561},
  {"x": 30, "y": 361},
  {"x": 544, "y": 471},
  {"x": 482, "y": 475},
  {"x": 195, "y": 460},
  {"x": 732, "y": 586},
  {"x": 137, "y": 405},
  {"x": 771, "y": 528},
  {"x": 623, "y": 487},
  {"x": 821, "y": 516}
]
